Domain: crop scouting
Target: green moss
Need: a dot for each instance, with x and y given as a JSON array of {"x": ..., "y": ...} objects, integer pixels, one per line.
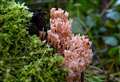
[{"x": 24, "y": 58}]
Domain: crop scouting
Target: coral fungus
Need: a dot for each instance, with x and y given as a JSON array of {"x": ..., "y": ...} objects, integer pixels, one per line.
[
  {"x": 75, "y": 49},
  {"x": 60, "y": 31}
]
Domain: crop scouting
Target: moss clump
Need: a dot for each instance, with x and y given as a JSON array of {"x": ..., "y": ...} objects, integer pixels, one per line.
[{"x": 24, "y": 58}]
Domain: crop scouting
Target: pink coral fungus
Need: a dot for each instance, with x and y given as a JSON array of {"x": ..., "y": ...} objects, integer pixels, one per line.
[
  {"x": 75, "y": 49},
  {"x": 60, "y": 31}
]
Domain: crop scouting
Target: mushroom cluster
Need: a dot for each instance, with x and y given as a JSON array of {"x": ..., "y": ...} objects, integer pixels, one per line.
[{"x": 74, "y": 48}]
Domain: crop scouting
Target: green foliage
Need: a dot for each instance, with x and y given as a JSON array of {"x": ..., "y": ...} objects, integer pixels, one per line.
[
  {"x": 93, "y": 78},
  {"x": 102, "y": 25},
  {"x": 90, "y": 77},
  {"x": 24, "y": 58},
  {"x": 94, "y": 74}
]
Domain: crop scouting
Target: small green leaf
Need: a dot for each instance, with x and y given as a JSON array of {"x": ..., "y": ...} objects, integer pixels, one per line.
[
  {"x": 76, "y": 26},
  {"x": 113, "y": 15},
  {"x": 103, "y": 29},
  {"x": 89, "y": 21},
  {"x": 117, "y": 2},
  {"x": 110, "y": 40}
]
